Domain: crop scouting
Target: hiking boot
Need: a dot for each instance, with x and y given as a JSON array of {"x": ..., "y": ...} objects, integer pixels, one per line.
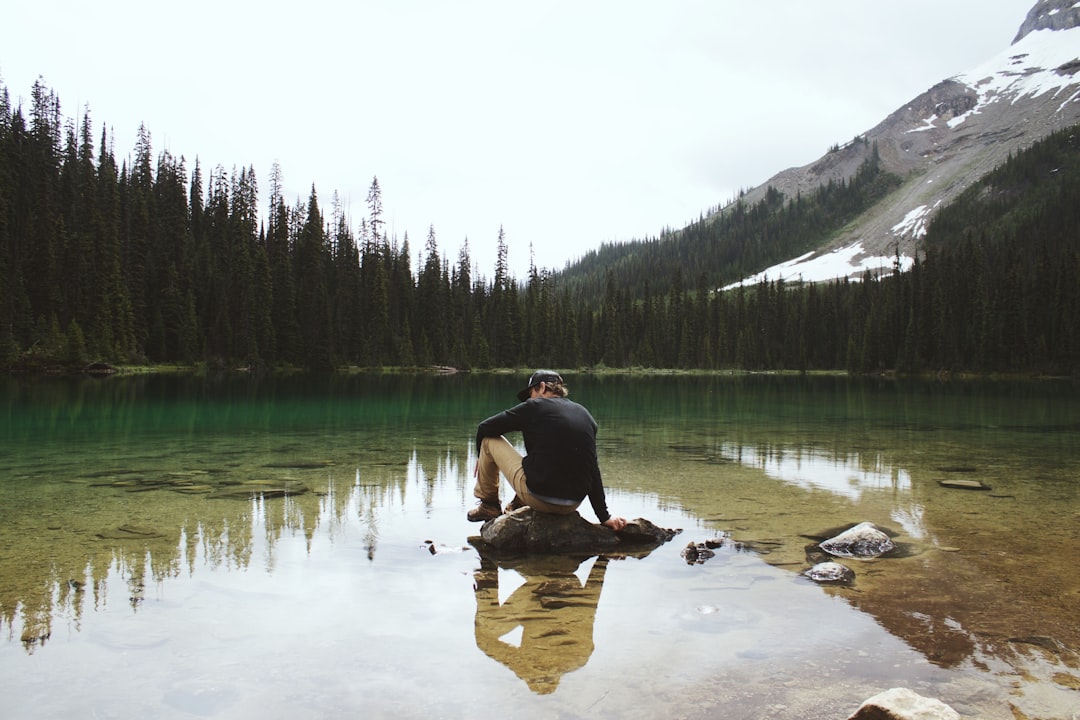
[
  {"x": 513, "y": 505},
  {"x": 484, "y": 511}
]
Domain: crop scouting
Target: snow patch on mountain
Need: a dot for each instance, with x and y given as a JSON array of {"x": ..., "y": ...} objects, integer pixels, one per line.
[
  {"x": 914, "y": 223},
  {"x": 850, "y": 262},
  {"x": 1044, "y": 61},
  {"x": 928, "y": 124}
]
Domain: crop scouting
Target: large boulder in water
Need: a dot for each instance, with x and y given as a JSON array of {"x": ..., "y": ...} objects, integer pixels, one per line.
[
  {"x": 903, "y": 704},
  {"x": 527, "y": 531},
  {"x": 864, "y": 540}
]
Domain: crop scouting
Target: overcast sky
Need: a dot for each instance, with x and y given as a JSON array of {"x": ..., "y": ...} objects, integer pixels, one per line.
[{"x": 567, "y": 123}]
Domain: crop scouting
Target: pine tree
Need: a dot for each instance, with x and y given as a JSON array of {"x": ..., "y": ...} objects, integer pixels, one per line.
[
  {"x": 346, "y": 290},
  {"x": 375, "y": 283},
  {"x": 113, "y": 324},
  {"x": 505, "y": 317},
  {"x": 462, "y": 310},
  {"x": 433, "y": 303},
  {"x": 312, "y": 256},
  {"x": 283, "y": 311}
]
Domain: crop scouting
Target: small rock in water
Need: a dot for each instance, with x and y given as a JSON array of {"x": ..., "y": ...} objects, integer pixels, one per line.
[
  {"x": 864, "y": 540},
  {"x": 696, "y": 553},
  {"x": 830, "y": 572},
  {"x": 962, "y": 484}
]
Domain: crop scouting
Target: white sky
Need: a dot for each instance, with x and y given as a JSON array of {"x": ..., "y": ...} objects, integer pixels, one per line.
[{"x": 567, "y": 123}]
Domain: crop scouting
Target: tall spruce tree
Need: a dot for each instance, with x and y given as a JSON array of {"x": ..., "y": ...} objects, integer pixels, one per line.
[
  {"x": 375, "y": 283},
  {"x": 313, "y": 301}
]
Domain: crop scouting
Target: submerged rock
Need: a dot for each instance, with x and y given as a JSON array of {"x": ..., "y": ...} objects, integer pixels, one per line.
[
  {"x": 525, "y": 530},
  {"x": 903, "y": 704},
  {"x": 831, "y": 572},
  {"x": 864, "y": 540},
  {"x": 129, "y": 532},
  {"x": 261, "y": 488},
  {"x": 194, "y": 489},
  {"x": 301, "y": 465},
  {"x": 963, "y": 484}
]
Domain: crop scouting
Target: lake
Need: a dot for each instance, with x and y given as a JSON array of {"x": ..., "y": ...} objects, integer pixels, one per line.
[{"x": 236, "y": 547}]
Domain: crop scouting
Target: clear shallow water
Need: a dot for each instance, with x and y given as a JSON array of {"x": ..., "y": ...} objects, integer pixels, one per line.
[{"x": 137, "y": 575}]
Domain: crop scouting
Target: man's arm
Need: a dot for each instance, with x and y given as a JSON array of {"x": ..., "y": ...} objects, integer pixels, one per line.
[
  {"x": 597, "y": 498},
  {"x": 500, "y": 424},
  {"x": 599, "y": 504}
]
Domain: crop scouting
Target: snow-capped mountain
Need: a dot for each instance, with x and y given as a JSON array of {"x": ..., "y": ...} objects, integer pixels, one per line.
[{"x": 942, "y": 141}]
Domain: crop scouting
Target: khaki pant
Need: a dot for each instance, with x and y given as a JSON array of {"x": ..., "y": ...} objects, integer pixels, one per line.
[{"x": 497, "y": 454}]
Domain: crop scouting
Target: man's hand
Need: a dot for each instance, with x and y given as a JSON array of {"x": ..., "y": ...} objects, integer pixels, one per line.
[{"x": 615, "y": 523}]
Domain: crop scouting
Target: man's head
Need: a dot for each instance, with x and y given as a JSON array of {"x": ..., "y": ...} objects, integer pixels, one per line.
[{"x": 549, "y": 379}]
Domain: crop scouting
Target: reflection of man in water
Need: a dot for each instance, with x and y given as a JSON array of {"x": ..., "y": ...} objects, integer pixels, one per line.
[{"x": 554, "y": 612}]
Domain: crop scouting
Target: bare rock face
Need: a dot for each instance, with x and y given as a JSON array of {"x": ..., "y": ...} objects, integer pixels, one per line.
[
  {"x": 528, "y": 531},
  {"x": 1050, "y": 15},
  {"x": 903, "y": 704}
]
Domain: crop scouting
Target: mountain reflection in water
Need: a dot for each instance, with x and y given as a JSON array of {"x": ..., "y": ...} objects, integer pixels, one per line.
[{"x": 166, "y": 541}]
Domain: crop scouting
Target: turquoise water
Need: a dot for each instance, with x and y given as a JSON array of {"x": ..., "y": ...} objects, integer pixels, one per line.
[{"x": 289, "y": 547}]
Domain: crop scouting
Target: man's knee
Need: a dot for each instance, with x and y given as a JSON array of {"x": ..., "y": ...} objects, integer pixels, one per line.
[{"x": 489, "y": 444}]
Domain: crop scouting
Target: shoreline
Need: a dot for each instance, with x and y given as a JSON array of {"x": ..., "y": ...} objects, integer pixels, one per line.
[{"x": 105, "y": 370}]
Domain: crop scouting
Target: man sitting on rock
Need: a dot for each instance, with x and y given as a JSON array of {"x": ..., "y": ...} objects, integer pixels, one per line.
[{"x": 559, "y": 468}]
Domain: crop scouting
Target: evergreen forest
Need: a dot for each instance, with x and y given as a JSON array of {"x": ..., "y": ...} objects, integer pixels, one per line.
[{"x": 150, "y": 261}]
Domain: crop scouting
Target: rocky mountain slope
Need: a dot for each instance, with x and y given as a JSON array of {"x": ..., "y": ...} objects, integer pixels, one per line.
[{"x": 942, "y": 141}]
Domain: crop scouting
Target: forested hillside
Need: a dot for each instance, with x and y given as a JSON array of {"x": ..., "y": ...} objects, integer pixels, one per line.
[
  {"x": 737, "y": 242},
  {"x": 151, "y": 261},
  {"x": 998, "y": 291}
]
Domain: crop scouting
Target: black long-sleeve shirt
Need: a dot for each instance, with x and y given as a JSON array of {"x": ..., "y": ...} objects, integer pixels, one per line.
[{"x": 560, "y": 446}]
